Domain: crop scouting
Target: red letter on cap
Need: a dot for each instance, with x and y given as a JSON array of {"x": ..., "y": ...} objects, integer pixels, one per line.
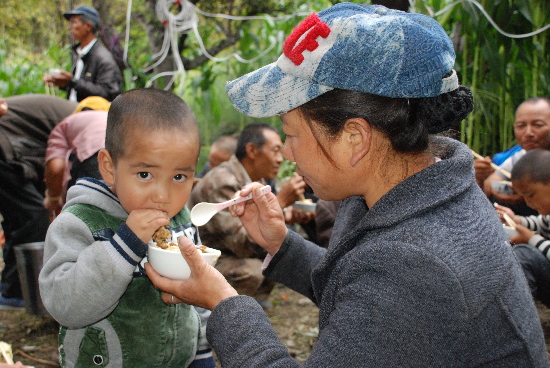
[{"x": 315, "y": 27}]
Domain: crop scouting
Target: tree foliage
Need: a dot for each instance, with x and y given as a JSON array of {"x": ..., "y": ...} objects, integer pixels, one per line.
[{"x": 501, "y": 71}]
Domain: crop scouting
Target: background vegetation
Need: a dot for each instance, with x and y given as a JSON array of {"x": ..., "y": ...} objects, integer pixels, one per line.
[{"x": 501, "y": 70}]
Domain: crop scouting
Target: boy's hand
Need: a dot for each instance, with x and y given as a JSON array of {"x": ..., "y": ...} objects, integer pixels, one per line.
[
  {"x": 524, "y": 234},
  {"x": 145, "y": 222},
  {"x": 505, "y": 210}
]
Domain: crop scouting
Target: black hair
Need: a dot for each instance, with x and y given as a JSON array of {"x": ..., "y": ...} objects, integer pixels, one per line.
[
  {"x": 84, "y": 19},
  {"x": 533, "y": 166},
  {"x": 144, "y": 110},
  {"x": 252, "y": 133},
  {"x": 407, "y": 122}
]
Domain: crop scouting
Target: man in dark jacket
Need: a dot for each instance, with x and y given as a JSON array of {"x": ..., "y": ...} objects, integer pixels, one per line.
[
  {"x": 25, "y": 123},
  {"x": 95, "y": 71}
]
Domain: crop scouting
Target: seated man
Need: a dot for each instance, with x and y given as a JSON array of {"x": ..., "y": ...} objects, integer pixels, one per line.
[
  {"x": 532, "y": 130},
  {"x": 257, "y": 158},
  {"x": 221, "y": 150}
]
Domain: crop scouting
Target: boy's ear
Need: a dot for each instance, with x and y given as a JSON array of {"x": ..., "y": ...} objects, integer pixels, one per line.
[{"x": 106, "y": 166}]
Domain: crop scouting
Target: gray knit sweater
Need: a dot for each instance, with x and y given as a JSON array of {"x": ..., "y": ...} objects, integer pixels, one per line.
[{"x": 426, "y": 278}]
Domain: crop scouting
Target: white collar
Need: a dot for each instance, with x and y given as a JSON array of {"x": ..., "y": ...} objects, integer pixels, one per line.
[{"x": 81, "y": 51}]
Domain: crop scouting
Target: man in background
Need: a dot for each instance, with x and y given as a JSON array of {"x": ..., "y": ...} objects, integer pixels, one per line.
[
  {"x": 94, "y": 71},
  {"x": 221, "y": 150},
  {"x": 257, "y": 158},
  {"x": 25, "y": 123},
  {"x": 531, "y": 130},
  {"x": 72, "y": 150}
]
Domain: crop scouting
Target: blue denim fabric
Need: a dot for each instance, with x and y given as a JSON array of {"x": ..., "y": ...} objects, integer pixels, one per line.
[{"x": 370, "y": 49}]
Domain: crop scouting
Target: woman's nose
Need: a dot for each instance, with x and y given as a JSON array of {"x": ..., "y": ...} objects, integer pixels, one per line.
[{"x": 287, "y": 153}]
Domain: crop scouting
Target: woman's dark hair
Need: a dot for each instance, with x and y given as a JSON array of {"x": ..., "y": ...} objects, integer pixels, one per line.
[
  {"x": 534, "y": 166},
  {"x": 407, "y": 122}
]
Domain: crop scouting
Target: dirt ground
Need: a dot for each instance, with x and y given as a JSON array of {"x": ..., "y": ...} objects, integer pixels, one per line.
[
  {"x": 34, "y": 338},
  {"x": 294, "y": 318}
]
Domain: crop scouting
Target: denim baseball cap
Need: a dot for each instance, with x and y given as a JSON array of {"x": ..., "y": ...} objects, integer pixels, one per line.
[
  {"x": 366, "y": 48},
  {"x": 85, "y": 10}
]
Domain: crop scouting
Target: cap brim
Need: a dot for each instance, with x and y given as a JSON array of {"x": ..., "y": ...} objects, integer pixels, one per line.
[
  {"x": 69, "y": 14},
  {"x": 269, "y": 91}
]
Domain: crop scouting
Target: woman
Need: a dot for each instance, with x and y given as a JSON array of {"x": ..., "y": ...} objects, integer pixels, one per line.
[{"x": 418, "y": 271}]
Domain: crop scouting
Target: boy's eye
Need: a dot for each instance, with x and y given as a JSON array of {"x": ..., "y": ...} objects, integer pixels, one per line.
[
  {"x": 180, "y": 177},
  {"x": 144, "y": 175}
]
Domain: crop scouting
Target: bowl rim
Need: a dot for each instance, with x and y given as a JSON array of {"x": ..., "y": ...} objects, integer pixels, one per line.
[
  {"x": 208, "y": 250},
  {"x": 305, "y": 203}
]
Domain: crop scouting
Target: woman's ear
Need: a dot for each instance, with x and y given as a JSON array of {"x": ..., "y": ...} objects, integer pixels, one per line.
[
  {"x": 106, "y": 166},
  {"x": 359, "y": 135}
]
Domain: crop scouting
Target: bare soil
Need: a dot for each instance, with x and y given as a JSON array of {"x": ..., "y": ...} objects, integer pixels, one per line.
[{"x": 34, "y": 338}]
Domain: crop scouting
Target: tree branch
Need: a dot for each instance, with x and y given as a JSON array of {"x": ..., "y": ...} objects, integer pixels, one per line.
[{"x": 201, "y": 59}]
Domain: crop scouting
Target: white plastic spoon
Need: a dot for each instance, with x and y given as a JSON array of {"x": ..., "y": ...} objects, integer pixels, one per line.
[{"x": 203, "y": 212}]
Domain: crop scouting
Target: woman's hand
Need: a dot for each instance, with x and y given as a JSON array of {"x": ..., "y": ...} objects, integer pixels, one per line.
[
  {"x": 206, "y": 287},
  {"x": 262, "y": 217}
]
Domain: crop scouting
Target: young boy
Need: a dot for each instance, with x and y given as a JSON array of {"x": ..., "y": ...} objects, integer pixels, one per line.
[
  {"x": 531, "y": 179},
  {"x": 92, "y": 281}
]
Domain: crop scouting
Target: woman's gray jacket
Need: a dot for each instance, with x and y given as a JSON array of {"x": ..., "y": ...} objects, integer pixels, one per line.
[{"x": 425, "y": 278}]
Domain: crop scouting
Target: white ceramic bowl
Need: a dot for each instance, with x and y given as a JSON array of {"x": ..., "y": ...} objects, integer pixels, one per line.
[
  {"x": 502, "y": 187},
  {"x": 511, "y": 232},
  {"x": 305, "y": 206},
  {"x": 171, "y": 264},
  {"x": 55, "y": 71}
]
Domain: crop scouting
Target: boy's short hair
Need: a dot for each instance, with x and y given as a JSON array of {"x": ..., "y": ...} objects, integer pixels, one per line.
[
  {"x": 252, "y": 133},
  {"x": 533, "y": 166},
  {"x": 144, "y": 110}
]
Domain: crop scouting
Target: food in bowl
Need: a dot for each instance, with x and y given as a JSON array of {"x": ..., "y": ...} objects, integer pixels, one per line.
[
  {"x": 502, "y": 187},
  {"x": 163, "y": 238},
  {"x": 166, "y": 258}
]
